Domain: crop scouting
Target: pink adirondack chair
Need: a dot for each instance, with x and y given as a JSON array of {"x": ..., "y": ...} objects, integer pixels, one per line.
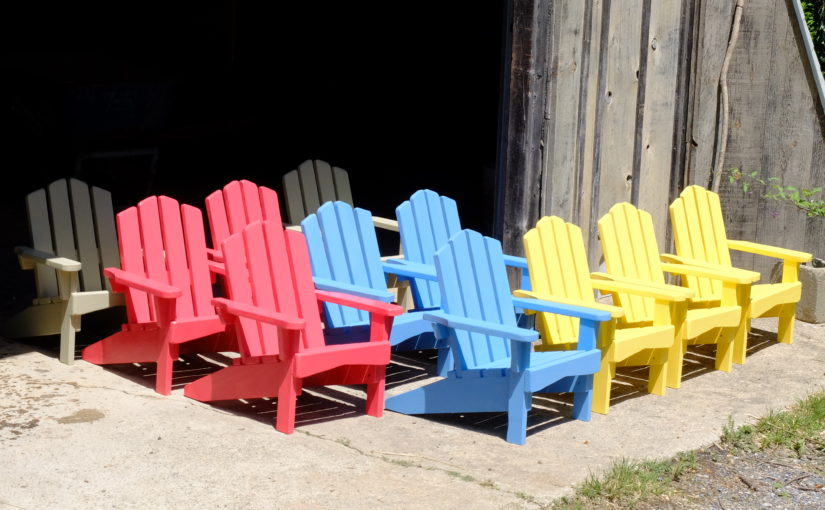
[
  {"x": 275, "y": 307},
  {"x": 165, "y": 276}
]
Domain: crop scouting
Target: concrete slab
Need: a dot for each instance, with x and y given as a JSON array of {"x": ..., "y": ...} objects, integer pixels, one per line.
[{"x": 84, "y": 436}]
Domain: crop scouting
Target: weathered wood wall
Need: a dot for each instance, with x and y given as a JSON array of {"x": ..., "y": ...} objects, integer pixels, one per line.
[{"x": 618, "y": 100}]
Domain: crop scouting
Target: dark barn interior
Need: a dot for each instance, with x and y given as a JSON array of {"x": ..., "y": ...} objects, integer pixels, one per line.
[{"x": 179, "y": 98}]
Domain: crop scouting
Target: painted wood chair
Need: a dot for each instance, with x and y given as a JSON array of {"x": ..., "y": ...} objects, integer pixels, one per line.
[
  {"x": 426, "y": 221},
  {"x": 168, "y": 288},
  {"x": 343, "y": 249},
  {"x": 699, "y": 235},
  {"x": 274, "y": 305},
  {"x": 315, "y": 182},
  {"x": 494, "y": 369},
  {"x": 629, "y": 245},
  {"x": 73, "y": 237},
  {"x": 558, "y": 270}
]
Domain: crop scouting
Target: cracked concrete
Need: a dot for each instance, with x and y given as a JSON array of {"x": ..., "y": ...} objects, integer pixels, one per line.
[{"x": 84, "y": 436}]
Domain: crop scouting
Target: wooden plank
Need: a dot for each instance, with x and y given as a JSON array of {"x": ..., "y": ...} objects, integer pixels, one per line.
[
  {"x": 618, "y": 90},
  {"x": 326, "y": 183},
  {"x": 561, "y": 150},
  {"x": 788, "y": 136},
  {"x": 656, "y": 141},
  {"x": 815, "y": 227},
  {"x": 309, "y": 187},
  {"x": 105, "y": 225},
  {"x": 61, "y": 214},
  {"x": 87, "y": 244},
  {"x": 291, "y": 185},
  {"x": 40, "y": 229},
  {"x": 342, "y": 188}
]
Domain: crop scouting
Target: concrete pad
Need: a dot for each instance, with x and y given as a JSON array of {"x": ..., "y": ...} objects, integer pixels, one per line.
[{"x": 84, "y": 436}]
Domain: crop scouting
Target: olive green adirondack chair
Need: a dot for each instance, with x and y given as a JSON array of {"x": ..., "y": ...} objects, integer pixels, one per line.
[
  {"x": 699, "y": 234},
  {"x": 73, "y": 238},
  {"x": 629, "y": 245}
]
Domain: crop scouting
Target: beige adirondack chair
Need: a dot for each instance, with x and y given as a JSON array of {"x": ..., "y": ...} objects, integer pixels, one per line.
[
  {"x": 316, "y": 182},
  {"x": 73, "y": 239}
]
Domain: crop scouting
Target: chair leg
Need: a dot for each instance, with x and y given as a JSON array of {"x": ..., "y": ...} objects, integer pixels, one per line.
[
  {"x": 287, "y": 396},
  {"x": 724, "y": 350},
  {"x": 601, "y": 387},
  {"x": 375, "y": 392},
  {"x": 583, "y": 400},
  {"x": 676, "y": 362},
  {"x": 68, "y": 331},
  {"x": 517, "y": 408},
  {"x": 445, "y": 361},
  {"x": 786, "y": 324},
  {"x": 658, "y": 372},
  {"x": 166, "y": 359}
]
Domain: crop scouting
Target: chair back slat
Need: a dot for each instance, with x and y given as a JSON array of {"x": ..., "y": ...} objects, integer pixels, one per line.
[
  {"x": 84, "y": 229},
  {"x": 312, "y": 184},
  {"x": 473, "y": 283},
  {"x": 175, "y": 254},
  {"x": 40, "y": 229},
  {"x": 138, "y": 307},
  {"x": 237, "y": 205},
  {"x": 104, "y": 218}
]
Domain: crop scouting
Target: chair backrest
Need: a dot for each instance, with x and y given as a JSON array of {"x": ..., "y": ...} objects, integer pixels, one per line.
[
  {"x": 237, "y": 205},
  {"x": 426, "y": 221},
  {"x": 557, "y": 262},
  {"x": 313, "y": 183},
  {"x": 165, "y": 241},
  {"x": 343, "y": 247},
  {"x": 699, "y": 233},
  {"x": 629, "y": 245},
  {"x": 269, "y": 267},
  {"x": 72, "y": 221},
  {"x": 473, "y": 282}
]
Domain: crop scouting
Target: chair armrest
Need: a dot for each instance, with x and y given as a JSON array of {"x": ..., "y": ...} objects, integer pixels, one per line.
[
  {"x": 606, "y": 282},
  {"x": 355, "y": 290},
  {"x": 368, "y": 305},
  {"x": 407, "y": 269},
  {"x": 706, "y": 272},
  {"x": 47, "y": 259},
  {"x": 614, "y": 311},
  {"x": 663, "y": 287},
  {"x": 385, "y": 223},
  {"x": 552, "y": 305},
  {"x": 513, "y": 261},
  {"x": 138, "y": 282},
  {"x": 769, "y": 251},
  {"x": 294, "y": 228},
  {"x": 743, "y": 275},
  {"x": 258, "y": 313},
  {"x": 483, "y": 327}
]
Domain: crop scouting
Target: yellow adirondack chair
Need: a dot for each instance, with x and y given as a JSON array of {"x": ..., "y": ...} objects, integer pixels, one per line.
[
  {"x": 699, "y": 234},
  {"x": 557, "y": 263},
  {"x": 629, "y": 245}
]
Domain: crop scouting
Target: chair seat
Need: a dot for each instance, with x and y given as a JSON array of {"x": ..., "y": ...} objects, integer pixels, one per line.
[
  {"x": 768, "y": 295},
  {"x": 701, "y": 320}
]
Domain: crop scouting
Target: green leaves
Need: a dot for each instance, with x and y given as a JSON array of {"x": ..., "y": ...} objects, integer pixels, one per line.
[{"x": 808, "y": 200}]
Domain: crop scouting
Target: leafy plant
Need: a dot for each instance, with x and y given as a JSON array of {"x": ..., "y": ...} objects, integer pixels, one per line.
[
  {"x": 815, "y": 19},
  {"x": 808, "y": 200}
]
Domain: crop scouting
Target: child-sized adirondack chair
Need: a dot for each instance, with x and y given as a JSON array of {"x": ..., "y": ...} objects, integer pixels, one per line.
[
  {"x": 274, "y": 305},
  {"x": 168, "y": 288},
  {"x": 73, "y": 237},
  {"x": 699, "y": 234},
  {"x": 494, "y": 368},
  {"x": 343, "y": 249},
  {"x": 558, "y": 271},
  {"x": 426, "y": 221},
  {"x": 630, "y": 251}
]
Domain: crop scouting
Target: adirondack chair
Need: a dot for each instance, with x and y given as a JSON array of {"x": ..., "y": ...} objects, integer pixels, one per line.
[
  {"x": 343, "y": 249},
  {"x": 630, "y": 251},
  {"x": 166, "y": 280},
  {"x": 315, "y": 182},
  {"x": 699, "y": 234},
  {"x": 73, "y": 237},
  {"x": 558, "y": 270},
  {"x": 494, "y": 368},
  {"x": 426, "y": 221},
  {"x": 274, "y": 305}
]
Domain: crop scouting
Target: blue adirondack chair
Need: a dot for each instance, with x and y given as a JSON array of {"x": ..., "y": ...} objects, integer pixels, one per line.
[
  {"x": 343, "y": 250},
  {"x": 495, "y": 368},
  {"x": 425, "y": 222}
]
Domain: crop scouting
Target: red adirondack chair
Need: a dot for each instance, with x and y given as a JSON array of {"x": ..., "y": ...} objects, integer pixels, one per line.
[
  {"x": 275, "y": 307},
  {"x": 165, "y": 276}
]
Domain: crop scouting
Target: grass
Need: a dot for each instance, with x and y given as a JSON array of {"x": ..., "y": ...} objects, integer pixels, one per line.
[
  {"x": 798, "y": 428},
  {"x": 626, "y": 483}
]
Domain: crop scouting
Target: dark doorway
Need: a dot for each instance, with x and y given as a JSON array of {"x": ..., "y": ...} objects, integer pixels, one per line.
[{"x": 178, "y": 98}]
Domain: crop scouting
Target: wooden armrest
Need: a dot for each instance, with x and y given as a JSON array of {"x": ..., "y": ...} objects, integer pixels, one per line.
[
  {"x": 385, "y": 223},
  {"x": 743, "y": 275},
  {"x": 258, "y": 313},
  {"x": 483, "y": 327},
  {"x": 407, "y": 269},
  {"x": 368, "y": 305},
  {"x": 513, "y": 261},
  {"x": 348, "y": 288},
  {"x": 47, "y": 259},
  {"x": 139, "y": 282},
  {"x": 614, "y": 311},
  {"x": 706, "y": 272},
  {"x": 769, "y": 251},
  {"x": 663, "y": 287},
  {"x": 606, "y": 282}
]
